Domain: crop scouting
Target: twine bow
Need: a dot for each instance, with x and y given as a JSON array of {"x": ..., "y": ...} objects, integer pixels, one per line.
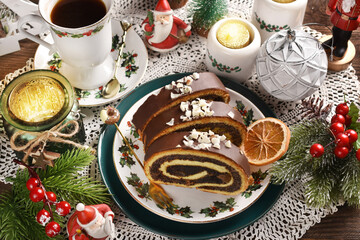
[{"x": 41, "y": 139}]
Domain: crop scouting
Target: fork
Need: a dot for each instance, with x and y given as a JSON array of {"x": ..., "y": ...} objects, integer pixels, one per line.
[{"x": 111, "y": 115}]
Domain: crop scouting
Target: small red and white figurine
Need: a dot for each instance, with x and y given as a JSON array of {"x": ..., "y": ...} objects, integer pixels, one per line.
[
  {"x": 163, "y": 31},
  {"x": 91, "y": 222},
  {"x": 345, "y": 18}
]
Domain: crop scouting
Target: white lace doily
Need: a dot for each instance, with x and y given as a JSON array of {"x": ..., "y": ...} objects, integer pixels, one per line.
[{"x": 292, "y": 216}]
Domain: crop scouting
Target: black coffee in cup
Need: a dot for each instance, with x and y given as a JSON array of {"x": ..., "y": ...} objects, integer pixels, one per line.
[{"x": 77, "y": 13}]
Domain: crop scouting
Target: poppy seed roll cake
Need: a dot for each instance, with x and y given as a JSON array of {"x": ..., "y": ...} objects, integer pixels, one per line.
[
  {"x": 202, "y": 160},
  {"x": 205, "y": 85},
  {"x": 200, "y": 114}
]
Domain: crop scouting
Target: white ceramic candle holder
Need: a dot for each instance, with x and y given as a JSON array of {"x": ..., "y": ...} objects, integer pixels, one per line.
[
  {"x": 237, "y": 64},
  {"x": 271, "y": 17}
]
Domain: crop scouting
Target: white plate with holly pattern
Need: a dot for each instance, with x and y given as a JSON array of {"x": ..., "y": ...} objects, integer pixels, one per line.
[
  {"x": 191, "y": 205},
  {"x": 130, "y": 72}
]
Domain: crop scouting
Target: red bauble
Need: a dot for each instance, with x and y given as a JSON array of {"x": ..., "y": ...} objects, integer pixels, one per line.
[
  {"x": 358, "y": 154},
  {"x": 37, "y": 194},
  {"x": 317, "y": 150},
  {"x": 338, "y": 118},
  {"x": 52, "y": 229},
  {"x": 63, "y": 208},
  {"x": 342, "y": 109},
  {"x": 352, "y": 134},
  {"x": 32, "y": 183},
  {"x": 51, "y": 196},
  {"x": 337, "y": 128},
  {"x": 43, "y": 217},
  {"x": 342, "y": 140},
  {"x": 341, "y": 152}
]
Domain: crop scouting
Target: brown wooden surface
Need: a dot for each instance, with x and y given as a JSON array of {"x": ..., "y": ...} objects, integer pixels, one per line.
[{"x": 344, "y": 224}]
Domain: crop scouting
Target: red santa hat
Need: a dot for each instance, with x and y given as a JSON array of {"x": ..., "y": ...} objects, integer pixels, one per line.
[
  {"x": 86, "y": 215},
  {"x": 163, "y": 7}
]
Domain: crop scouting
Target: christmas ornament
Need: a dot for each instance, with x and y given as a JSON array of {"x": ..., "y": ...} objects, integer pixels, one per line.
[
  {"x": 163, "y": 31},
  {"x": 291, "y": 65},
  {"x": 22, "y": 218},
  {"x": 330, "y": 167},
  {"x": 91, "y": 222},
  {"x": 206, "y": 13},
  {"x": 272, "y": 16},
  {"x": 232, "y": 46}
]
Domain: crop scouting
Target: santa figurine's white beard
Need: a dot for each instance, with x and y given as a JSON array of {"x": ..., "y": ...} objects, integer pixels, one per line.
[
  {"x": 98, "y": 232},
  {"x": 161, "y": 31},
  {"x": 347, "y": 5}
]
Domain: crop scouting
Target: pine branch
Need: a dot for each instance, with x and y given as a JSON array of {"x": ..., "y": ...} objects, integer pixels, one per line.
[
  {"x": 297, "y": 162},
  {"x": 350, "y": 174},
  {"x": 75, "y": 190},
  {"x": 68, "y": 163}
]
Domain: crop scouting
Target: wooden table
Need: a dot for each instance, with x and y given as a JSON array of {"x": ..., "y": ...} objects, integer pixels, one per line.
[{"x": 345, "y": 224}]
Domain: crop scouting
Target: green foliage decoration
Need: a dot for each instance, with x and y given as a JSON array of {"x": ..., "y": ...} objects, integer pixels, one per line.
[
  {"x": 18, "y": 212},
  {"x": 327, "y": 179}
]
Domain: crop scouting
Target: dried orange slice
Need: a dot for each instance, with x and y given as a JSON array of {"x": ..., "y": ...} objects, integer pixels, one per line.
[{"x": 267, "y": 140}]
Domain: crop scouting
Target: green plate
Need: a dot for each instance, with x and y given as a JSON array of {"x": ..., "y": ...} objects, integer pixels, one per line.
[{"x": 158, "y": 224}]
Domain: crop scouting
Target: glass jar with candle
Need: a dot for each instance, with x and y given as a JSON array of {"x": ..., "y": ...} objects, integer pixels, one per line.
[
  {"x": 38, "y": 102},
  {"x": 232, "y": 46}
]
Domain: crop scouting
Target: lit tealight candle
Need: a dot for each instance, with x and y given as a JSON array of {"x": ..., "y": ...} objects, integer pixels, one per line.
[
  {"x": 37, "y": 100},
  {"x": 233, "y": 34},
  {"x": 284, "y": 1}
]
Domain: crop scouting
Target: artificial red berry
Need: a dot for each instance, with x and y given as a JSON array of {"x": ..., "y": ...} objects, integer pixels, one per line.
[
  {"x": 63, "y": 208},
  {"x": 317, "y": 150},
  {"x": 337, "y": 128},
  {"x": 348, "y": 120},
  {"x": 358, "y": 154},
  {"x": 342, "y": 109},
  {"x": 352, "y": 134},
  {"x": 32, "y": 183},
  {"x": 37, "y": 194},
  {"x": 52, "y": 229},
  {"x": 51, "y": 196},
  {"x": 341, "y": 152},
  {"x": 43, "y": 217},
  {"x": 338, "y": 118},
  {"x": 342, "y": 140}
]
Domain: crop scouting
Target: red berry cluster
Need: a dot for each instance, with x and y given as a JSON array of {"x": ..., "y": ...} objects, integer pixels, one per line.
[
  {"x": 344, "y": 138},
  {"x": 38, "y": 193}
]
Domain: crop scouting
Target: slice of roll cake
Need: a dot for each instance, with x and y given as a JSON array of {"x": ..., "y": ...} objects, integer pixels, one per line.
[
  {"x": 202, "y": 160},
  {"x": 205, "y": 85},
  {"x": 200, "y": 114}
]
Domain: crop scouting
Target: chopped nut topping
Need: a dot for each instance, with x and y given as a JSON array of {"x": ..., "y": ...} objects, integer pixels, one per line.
[
  {"x": 205, "y": 140},
  {"x": 171, "y": 122}
]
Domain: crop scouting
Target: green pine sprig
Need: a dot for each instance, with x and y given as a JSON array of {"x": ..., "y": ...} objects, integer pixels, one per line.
[
  {"x": 328, "y": 179},
  {"x": 18, "y": 212}
]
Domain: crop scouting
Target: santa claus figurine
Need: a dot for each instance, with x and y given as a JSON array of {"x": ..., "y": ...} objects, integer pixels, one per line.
[
  {"x": 345, "y": 18},
  {"x": 91, "y": 222},
  {"x": 163, "y": 31}
]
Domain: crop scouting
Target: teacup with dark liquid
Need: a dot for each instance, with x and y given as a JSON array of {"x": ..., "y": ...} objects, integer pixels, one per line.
[{"x": 82, "y": 34}]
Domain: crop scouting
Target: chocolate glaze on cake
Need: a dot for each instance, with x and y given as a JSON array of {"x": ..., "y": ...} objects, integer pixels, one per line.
[
  {"x": 207, "y": 86},
  {"x": 169, "y": 161},
  {"x": 224, "y": 120}
]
